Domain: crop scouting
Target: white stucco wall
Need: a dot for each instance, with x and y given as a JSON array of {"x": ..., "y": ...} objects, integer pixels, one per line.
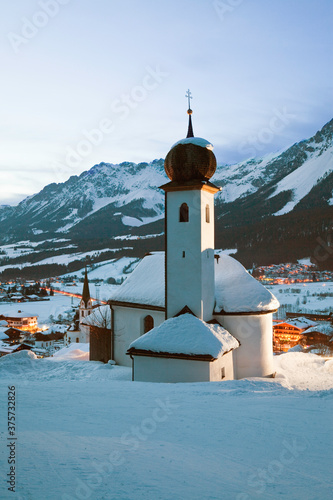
[
  {"x": 226, "y": 362},
  {"x": 190, "y": 279},
  {"x": 254, "y": 357},
  {"x": 149, "y": 369},
  {"x": 128, "y": 326},
  {"x": 71, "y": 336},
  {"x": 42, "y": 343},
  {"x": 172, "y": 370}
]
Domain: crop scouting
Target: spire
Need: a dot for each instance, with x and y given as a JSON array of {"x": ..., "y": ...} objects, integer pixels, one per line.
[
  {"x": 86, "y": 292},
  {"x": 189, "y": 112}
]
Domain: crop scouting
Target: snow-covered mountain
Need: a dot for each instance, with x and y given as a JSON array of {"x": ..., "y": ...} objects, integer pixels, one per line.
[
  {"x": 124, "y": 201},
  {"x": 129, "y": 191},
  {"x": 296, "y": 170}
]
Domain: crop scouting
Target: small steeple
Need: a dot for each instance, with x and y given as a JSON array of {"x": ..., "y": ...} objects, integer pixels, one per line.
[
  {"x": 86, "y": 292},
  {"x": 189, "y": 112}
]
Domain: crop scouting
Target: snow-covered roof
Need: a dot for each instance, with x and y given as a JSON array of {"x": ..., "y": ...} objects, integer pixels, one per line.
[
  {"x": 186, "y": 334},
  {"x": 145, "y": 285},
  {"x": 198, "y": 141},
  {"x": 300, "y": 322},
  {"x": 237, "y": 291},
  {"x": 296, "y": 348},
  {"x": 57, "y": 328},
  {"x": 324, "y": 327},
  {"x": 7, "y": 348},
  {"x": 19, "y": 314},
  {"x": 3, "y": 336}
]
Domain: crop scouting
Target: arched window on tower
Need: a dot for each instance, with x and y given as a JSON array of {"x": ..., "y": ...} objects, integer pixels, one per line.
[
  {"x": 148, "y": 324},
  {"x": 207, "y": 214},
  {"x": 183, "y": 213}
]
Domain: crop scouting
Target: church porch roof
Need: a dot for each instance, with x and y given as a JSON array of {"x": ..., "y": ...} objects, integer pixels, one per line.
[{"x": 185, "y": 336}]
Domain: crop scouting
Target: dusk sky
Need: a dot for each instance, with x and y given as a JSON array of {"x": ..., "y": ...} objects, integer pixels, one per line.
[{"x": 86, "y": 81}]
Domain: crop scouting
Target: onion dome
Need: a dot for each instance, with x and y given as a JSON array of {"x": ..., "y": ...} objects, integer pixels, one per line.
[{"x": 191, "y": 158}]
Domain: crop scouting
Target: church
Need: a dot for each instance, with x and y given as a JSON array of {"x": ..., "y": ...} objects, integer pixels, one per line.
[
  {"x": 80, "y": 332},
  {"x": 192, "y": 313}
]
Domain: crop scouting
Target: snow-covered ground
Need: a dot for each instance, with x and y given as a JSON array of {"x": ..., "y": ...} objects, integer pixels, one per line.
[
  {"x": 305, "y": 297},
  {"x": 85, "y": 431},
  {"x": 58, "y": 304}
]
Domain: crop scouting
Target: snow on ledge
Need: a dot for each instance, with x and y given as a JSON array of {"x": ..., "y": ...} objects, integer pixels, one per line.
[{"x": 188, "y": 335}]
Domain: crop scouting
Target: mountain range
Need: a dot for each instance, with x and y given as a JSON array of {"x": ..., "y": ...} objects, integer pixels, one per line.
[{"x": 271, "y": 209}]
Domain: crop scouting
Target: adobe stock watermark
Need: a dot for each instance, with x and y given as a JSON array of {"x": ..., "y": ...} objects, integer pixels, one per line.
[
  {"x": 270, "y": 475},
  {"x": 131, "y": 440},
  {"x": 324, "y": 249},
  {"x": 120, "y": 108},
  {"x": 248, "y": 328},
  {"x": 224, "y": 8},
  {"x": 30, "y": 28},
  {"x": 257, "y": 142}
]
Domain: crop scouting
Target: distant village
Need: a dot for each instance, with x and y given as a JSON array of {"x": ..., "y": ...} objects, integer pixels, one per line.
[
  {"x": 285, "y": 274},
  {"x": 20, "y": 330}
]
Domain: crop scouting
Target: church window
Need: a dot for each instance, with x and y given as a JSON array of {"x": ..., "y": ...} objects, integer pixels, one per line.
[
  {"x": 148, "y": 324},
  {"x": 183, "y": 213},
  {"x": 184, "y": 254},
  {"x": 77, "y": 340},
  {"x": 223, "y": 372},
  {"x": 207, "y": 214}
]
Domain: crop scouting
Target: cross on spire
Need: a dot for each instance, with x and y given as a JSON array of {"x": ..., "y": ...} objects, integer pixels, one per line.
[
  {"x": 189, "y": 112},
  {"x": 189, "y": 97}
]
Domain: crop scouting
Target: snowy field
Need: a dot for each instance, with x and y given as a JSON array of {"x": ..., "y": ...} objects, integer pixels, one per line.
[
  {"x": 85, "y": 431},
  {"x": 305, "y": 297},
  {"x": 58, "y": 304}
]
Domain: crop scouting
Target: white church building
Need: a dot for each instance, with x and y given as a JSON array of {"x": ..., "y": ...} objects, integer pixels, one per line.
[{"x": 192, "y": 313}]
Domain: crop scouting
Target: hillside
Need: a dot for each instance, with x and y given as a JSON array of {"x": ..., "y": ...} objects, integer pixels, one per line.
[{"x": 271, "y": 209}]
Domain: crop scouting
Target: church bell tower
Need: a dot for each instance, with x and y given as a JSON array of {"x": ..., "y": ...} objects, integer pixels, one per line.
[
  {"x": 189, "y": 226},
  {"x": 86, "y": 303}
]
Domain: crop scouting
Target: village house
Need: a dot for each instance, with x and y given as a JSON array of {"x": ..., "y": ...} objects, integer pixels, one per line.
[
  {"x": 286, "y": 334},
  {"x": 21, "y": 320},
  {"x": 11, "y": 348},
  {"x": 43, "y": 341}
]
